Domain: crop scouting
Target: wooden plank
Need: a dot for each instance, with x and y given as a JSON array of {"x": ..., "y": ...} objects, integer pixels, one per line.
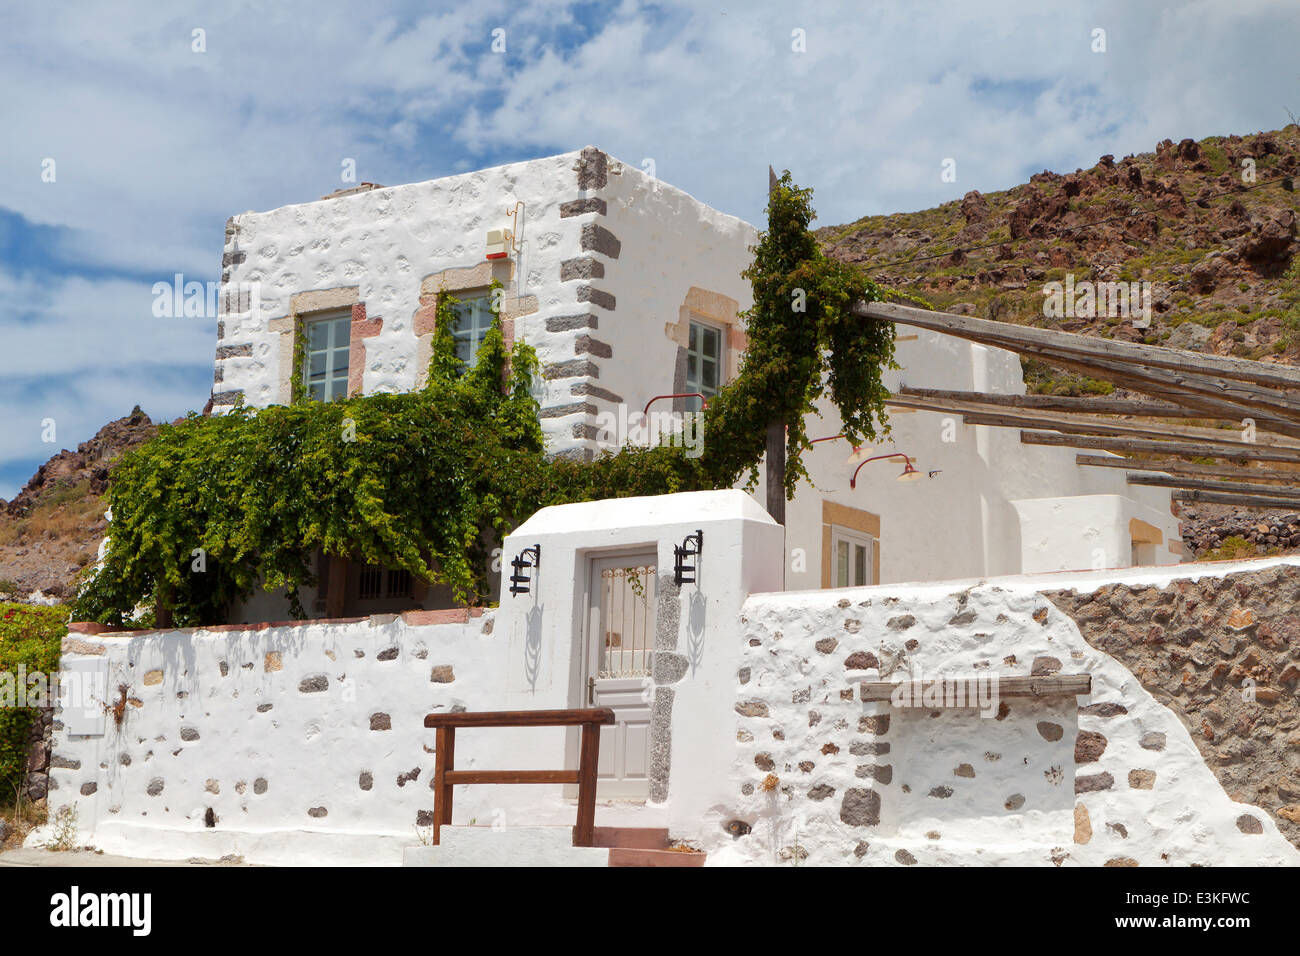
[
  {"x": 1091, "y": 405},
  {"x": 588, "y": 764},
  {"x": 511, "y": 776},
  {"x": 1218, "y": 397},
  {"x": 986, "y": 330},
  {"x": 1250, "y": 501},
  {"x": 1170, "y": 481},
  {"x": 1078, "y": 424},
  {"x": 522, "y": 718},
  {"x": 1223, "y": 398},
  {"x": 1181, "y": 449},
  {"x": 1084, "y": 426},
  {"x": 1189, "y": 468},
  {"x": 950, "y": 688}
]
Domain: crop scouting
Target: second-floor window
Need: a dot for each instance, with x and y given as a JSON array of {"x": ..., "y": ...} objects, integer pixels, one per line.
[
  {"x": 703, "y": 362},
  {"x": 473, "y": 319},
  {"x": 325, "y": 370}
]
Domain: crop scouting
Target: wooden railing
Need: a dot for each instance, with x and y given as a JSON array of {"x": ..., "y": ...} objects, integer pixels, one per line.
[{"x": 446, "y": 776}]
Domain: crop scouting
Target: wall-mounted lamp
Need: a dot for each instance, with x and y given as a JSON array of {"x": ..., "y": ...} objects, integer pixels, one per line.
[
  {"x": 520, "y": 582},
  {"x": 855, "y": 457},
  {"x": 704, "y": 399},
  {"x": 689, "y": 548},
  {"x": 909, "y": 473}
]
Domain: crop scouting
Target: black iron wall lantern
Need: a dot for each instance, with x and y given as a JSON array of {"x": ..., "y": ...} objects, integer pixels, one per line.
[
  {"x": 520, "y": 581},
  {"x": 689, "y": 548}
]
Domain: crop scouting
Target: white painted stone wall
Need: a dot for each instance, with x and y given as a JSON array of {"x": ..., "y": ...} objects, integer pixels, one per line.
[
  {"x": 272, "y": 728},
  {"x": 275, "y": 729},
  {"x": 823, "y": 778},
  {"x": 306, "y": 742}
]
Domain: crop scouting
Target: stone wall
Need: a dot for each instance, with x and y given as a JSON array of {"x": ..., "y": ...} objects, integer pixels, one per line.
[
  {"x": 281, "y": 743},
  {"x": 36, "y": 780},
  {"x": 1223, "y": 654},
  {"x": 820, "y": 776}
]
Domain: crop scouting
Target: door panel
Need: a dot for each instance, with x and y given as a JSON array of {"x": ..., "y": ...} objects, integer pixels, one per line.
[{"x": 619, "y": 648}]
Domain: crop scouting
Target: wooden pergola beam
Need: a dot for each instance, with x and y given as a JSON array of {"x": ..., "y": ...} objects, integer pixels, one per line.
[
  {"x": 1189, "y": 468},
  {"x": 986, "y": 330},
  {"x": 977, "y": 414},
  {"x": 1218, "y": 398},
  {"x": 1178, "y": 449},
  {"x": 1169, "y": 481},
  {"x": 1093, "y": 405},
  {"x": 1249, "y": 501}
]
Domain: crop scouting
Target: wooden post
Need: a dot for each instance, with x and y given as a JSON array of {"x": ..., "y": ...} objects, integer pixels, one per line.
[
  {"x": 162, "y": 609},
  {"x": 336, "y": 589},
  {"x": 443, "y": 761},
  {"x": 776, "y": 471},
  {"x": 775, "y": 448},
  {"x": 584, "y": 832}
]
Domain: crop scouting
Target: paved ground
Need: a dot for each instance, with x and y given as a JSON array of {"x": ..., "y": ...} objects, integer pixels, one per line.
[{"x": 34, "y": 857}]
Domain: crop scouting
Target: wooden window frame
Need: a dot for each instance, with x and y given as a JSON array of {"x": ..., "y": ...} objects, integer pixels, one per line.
[
  {"x": 855, "y": 520},
  {"x": 334, "y": 388}
]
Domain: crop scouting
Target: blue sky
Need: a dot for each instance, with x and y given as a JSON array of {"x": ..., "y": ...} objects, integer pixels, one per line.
[{"x": 155, "y": 144}]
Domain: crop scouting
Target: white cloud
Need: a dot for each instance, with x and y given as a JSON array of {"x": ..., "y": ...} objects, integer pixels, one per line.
[{"x": 156, "y": 145}]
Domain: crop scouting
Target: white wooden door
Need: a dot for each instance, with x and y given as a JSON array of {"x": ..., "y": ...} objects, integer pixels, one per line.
[{"x": 619, "y": 648}]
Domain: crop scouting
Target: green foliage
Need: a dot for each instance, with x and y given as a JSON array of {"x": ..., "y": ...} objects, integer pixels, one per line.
[
  {"x": 30, "y": 636},
  {"x": 431, "y": 481},
  {"x": 804, "y": 341}
]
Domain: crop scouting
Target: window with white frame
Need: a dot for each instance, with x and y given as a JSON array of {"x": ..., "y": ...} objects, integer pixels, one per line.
[
  {"x": 473, "y": 320},
  {"x": 325, "y": 367},
  {"x": 850, "y": 558},
  {"x": 703, "y": 362}
]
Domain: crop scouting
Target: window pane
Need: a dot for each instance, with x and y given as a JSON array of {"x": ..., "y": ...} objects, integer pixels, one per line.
[
  {"x": 860, "y": 565},
  {"x": 341, "y": 361},
  {"x": 841, "y": 564},
  {"x": 694, "y": 338},
  {"x": 317, "y": 335},
  {"x": 711, "y": 337},
  {"x": 710, "y": 377},
  {"x": 317, "y": 391},
  {"x": 473, "y": 319},
  {"x": 342, "y": 332},
  {"x": 692, "y": 371}
]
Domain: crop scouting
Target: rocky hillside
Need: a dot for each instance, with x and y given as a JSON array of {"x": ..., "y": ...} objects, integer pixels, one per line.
[
  {"x": 52, "y": 528},
  {"x": 1216, "y": 247},
  {"x": 1211, "y": 225}
]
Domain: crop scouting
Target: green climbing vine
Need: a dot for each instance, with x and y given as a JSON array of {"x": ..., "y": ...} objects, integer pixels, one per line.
[{"x": 431, "y": 481}]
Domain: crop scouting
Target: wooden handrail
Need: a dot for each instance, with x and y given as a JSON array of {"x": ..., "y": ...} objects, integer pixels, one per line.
[
  {"x": 522, "y": 718},
  {"x": 446, "y": 776}
]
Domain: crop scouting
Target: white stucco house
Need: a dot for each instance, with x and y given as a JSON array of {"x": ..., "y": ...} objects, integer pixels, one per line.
[{"x": 629, "y": 289}]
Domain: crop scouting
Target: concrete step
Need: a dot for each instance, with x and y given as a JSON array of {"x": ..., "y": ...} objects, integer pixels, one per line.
[
  {"x": 633, "y": 838},
  {"x": 625, "y": 856}
]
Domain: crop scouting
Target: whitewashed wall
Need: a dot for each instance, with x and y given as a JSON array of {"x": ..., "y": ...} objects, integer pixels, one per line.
[
  {"x": 307, "y": 742},
  {"x": 823, "y": 778},
  {"x": 274, "y": 728},
  {"x": 977, "y": 516}
]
